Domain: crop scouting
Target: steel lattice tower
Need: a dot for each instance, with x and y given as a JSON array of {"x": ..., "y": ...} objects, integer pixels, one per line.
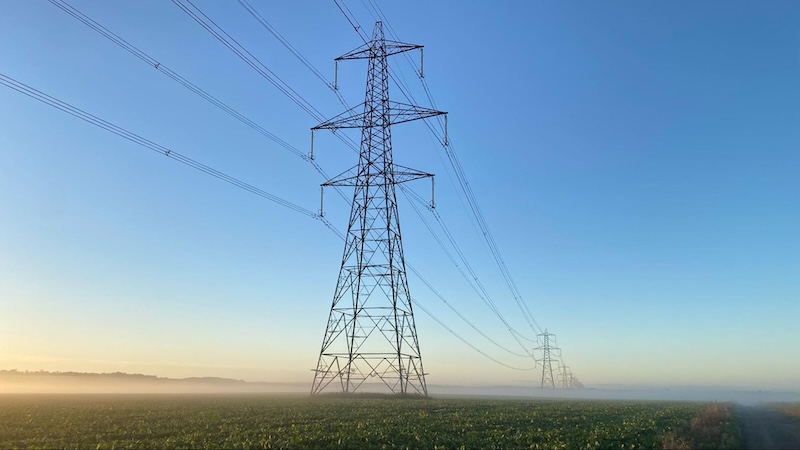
[
  {"x": 547, "y": 362},
  {"x": 565, "y": 375},
  {"x": 371, "y": 332}
]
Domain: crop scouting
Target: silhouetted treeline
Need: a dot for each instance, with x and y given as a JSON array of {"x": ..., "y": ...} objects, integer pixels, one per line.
[{"x": 112, "y": 375}]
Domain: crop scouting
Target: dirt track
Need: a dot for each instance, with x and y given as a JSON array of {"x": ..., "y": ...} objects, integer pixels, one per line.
[{"x": 768, "y": 429}]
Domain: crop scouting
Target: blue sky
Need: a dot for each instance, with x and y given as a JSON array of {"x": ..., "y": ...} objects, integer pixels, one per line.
[{"x": 636, "y": 163}]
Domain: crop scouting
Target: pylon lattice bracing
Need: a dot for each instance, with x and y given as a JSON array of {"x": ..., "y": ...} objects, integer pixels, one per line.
[{"x": 371, "y": 341}]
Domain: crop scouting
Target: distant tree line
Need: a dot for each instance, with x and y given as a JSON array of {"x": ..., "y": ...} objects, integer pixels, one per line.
[
  {"x": 15, "y": 372},
  {"x": 114, "y": 375}
]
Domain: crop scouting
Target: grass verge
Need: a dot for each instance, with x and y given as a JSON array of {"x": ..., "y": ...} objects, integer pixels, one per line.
[{"x": 714, "y": 427}]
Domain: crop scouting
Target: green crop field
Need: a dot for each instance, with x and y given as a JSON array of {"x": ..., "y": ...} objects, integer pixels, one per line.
[{"x": 263, "y": 421}]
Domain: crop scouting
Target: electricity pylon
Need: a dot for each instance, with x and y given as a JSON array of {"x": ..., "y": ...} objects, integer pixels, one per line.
[
  {"x": 568, "y": 379},
  {"x": 547, "y": 362},
  {"x": 371, "y": 331},
  {"x": 566, "y": 376}
]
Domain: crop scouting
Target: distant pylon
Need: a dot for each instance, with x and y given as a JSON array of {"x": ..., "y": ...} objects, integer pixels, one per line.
[
  {"x": 565, "y": 375},
  {"x": 568, "y": 379},
  {"x": 547, "y": 362},
  {"x": 371, "y": 332}
]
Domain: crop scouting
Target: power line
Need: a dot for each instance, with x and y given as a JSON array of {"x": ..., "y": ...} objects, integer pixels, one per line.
[
  {"x": 149, "y": 60},
  {"x": 472, "y": 279},
  {"x": 452, "y": 308},
  {"x": 356, "y": 26},
  {"x": 133, "y": 137},
  {"x": 226, "y": 39},
  {"x": 264, "y": 23},
  {"x": 469, "y": 344}
]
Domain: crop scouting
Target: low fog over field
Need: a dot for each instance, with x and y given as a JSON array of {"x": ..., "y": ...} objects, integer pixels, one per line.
[{"x": 12, "y": 382}]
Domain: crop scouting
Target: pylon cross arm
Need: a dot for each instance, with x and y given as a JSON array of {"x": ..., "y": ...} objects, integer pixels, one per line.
[
  {"x": 403, "y": 174},
  {"x": 356, "y": 117},
  {"x": 400, "y": 174},
  {"x": 402, "y": 112},
  {"x": 369, "y": 50}
]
